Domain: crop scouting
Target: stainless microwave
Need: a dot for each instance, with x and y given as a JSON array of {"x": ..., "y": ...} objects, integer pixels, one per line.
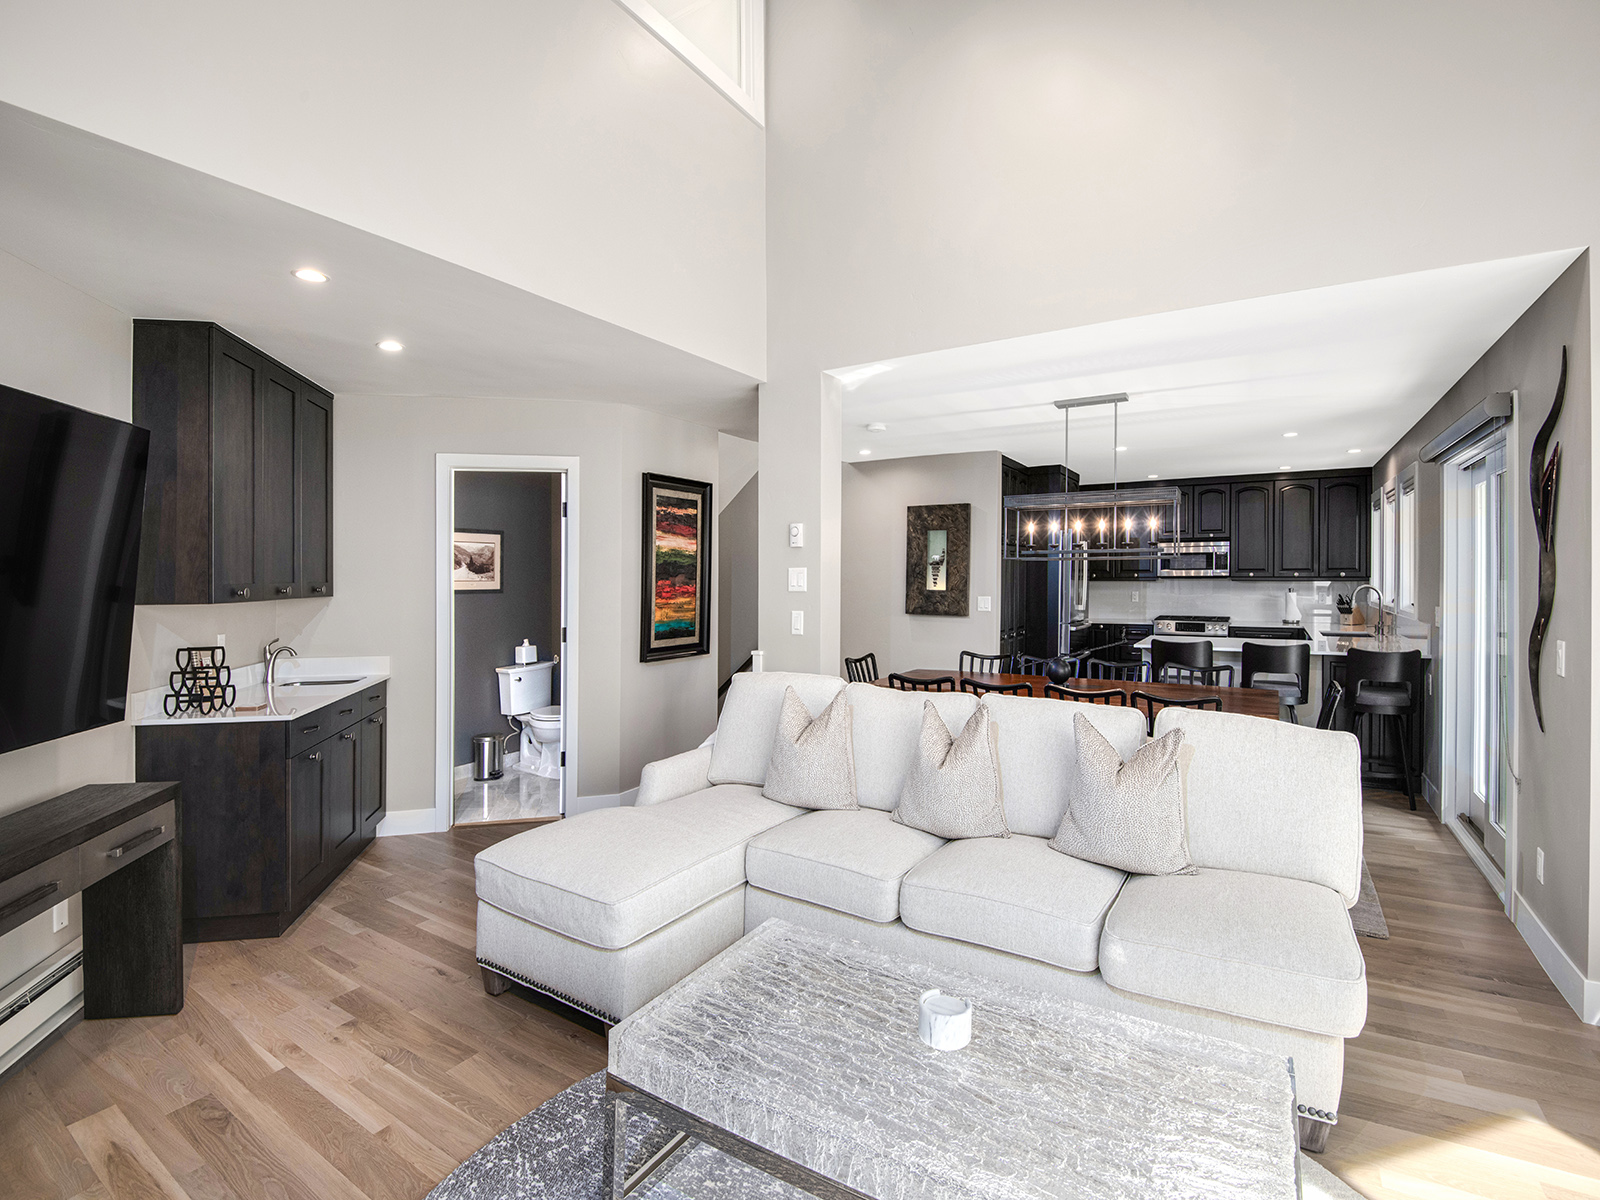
[{"x": 1185, "y": 560}]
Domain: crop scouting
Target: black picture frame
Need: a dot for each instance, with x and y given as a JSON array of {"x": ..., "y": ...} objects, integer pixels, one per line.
[
  {"x": 463, "y": 587},
  {"x": 667, "y": 629}
]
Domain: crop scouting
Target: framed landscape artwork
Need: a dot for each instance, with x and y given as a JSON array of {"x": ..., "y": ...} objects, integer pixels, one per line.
[
  {"x": 675, "y": 619},
  {"x": 475, "y": 560},
  {"x": 938, "y": 559}
]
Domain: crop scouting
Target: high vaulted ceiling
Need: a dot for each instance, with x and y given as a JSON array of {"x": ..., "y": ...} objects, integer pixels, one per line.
[{"x": 1213, "y": 391}]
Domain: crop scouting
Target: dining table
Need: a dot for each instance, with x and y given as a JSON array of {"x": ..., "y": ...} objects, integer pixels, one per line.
[{"x": 1250, "y": 702}]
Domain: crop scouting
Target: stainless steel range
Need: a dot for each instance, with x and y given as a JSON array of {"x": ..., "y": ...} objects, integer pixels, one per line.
[{"x": 1193, "y": 626}]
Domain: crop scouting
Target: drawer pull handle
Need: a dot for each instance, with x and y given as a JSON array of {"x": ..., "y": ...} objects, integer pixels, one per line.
[
  {"x": 135, "y": 841},
  {"x": 29, "y": 898},
  {"x": 375, "y": 696},
  {"x": 345, "y": 712},
  {"x": 311, "y": 728}
]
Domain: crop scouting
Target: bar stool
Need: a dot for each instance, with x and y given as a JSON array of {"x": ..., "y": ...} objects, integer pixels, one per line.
[
  {"x": 1282, "y": 667},
  {"x": 1386, "y": 685},
  {"x": 1190, "y": 662}
]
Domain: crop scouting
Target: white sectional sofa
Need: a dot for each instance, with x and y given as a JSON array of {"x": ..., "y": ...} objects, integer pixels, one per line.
[{"x": 607, "y": 909}]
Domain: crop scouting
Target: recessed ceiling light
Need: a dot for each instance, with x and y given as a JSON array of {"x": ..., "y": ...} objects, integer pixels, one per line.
[
  {"x": 877, "y": 427},
  {"x": 392, "y": 346},
  {"x": 1152, "y": 477},
  {"x": 311, "y": 275},
  {"x": 1356, "y": 451},
  {"x": 865, "y": 451},
  {"x": 1291, "y": 435},
  {"x": 1120, "y": 449},
  {"x": 1286, "y": 467}
]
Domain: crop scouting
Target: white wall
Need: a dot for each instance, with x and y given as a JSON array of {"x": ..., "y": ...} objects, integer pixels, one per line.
[
  {"x": 555, "y": 145},
  {"x": 873, "y": 574}
]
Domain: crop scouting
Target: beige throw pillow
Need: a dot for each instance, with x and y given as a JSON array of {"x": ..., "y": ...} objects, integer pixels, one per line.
[
  {"x": 1128, "y": 815},
  {"x": 813, "y": 761},
  {"x": 953, "y": 788}
]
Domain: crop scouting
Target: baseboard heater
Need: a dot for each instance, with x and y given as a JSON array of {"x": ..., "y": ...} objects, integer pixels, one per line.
[{"x": 39, "y": 1003}]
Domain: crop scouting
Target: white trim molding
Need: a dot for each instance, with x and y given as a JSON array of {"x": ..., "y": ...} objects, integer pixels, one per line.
[
  {"x": 750, "y": 96},
  {"x": 407, "y": 820},
  {"x": 619, "y": 800},
  {"x": 1577, "y": 990}
]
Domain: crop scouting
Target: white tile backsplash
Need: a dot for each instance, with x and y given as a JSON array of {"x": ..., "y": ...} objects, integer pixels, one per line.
[{"x": 1245, "y": 603}]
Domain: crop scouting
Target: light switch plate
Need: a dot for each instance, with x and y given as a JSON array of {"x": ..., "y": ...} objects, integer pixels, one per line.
[
  {"x": 1561, "y": 659},
  {"x": 983, "y": 603},
  {"x": 797, "y": 534},
  {"x": 797, "y": 621},
  {"x": 797, "y": 579},
  {"x": 58, "y": 917}
]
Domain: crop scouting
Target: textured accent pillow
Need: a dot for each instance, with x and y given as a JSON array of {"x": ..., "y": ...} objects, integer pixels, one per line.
[
  {"x": 953, "y": 788},
  {"x": 1128, "y": 815},
  {"x": 813, "y": 761}
]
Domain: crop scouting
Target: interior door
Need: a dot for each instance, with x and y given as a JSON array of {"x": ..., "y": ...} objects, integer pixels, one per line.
[{"x": 1490, "y": 680}]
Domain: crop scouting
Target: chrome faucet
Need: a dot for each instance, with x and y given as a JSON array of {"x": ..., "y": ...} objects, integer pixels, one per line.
[
  {"x": 271, "y": 655},
  {"x": 1367, "y": 587}
]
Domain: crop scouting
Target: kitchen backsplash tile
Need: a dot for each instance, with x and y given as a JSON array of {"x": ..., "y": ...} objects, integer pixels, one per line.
[{"x": 1245, "y": 603}]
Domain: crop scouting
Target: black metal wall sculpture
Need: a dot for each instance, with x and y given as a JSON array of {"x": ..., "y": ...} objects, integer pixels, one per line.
[{"x": 1543, "y": 478}]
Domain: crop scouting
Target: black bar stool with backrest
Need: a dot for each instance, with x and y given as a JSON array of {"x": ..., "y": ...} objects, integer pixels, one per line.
[
  {"x": 1282, "y": 667},
  {"x": 983, "y": 664},
  {"x": 863, "y": 669},
  {"x": 1111, "y": 668},
  {"x": 979, "y": 688},
  {"x": 1110, "y": 697},
  {"x": 1332, "y": 698},
  {"x": 1185, "y": 662},
  {"x": 1151, "y": 703},
  {"x": 1386, "y": 685},
  {"x": 905, "y": 683}
]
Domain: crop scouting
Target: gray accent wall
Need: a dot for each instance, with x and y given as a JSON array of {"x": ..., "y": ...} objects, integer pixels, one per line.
[
  {"x": 525, "y": 506},
  {"x": 737, "y": 602}
]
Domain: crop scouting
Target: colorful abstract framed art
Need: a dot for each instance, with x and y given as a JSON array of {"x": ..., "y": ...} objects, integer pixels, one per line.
[{"x": 675, "y": 616}]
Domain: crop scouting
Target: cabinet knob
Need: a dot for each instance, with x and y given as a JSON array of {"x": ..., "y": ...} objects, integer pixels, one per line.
[
  {"x": 242, "y": 593},
  {"x": 284, "y": 591},
  {"x": 375, "y": 721},
  {"x": 348, "y": 737},
  {"x": 319, "y": 589},
  {"x": 314, "y": 756}
]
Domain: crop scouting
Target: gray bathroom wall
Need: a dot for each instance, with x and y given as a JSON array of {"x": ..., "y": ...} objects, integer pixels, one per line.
[{"x": 525, "y": 506}]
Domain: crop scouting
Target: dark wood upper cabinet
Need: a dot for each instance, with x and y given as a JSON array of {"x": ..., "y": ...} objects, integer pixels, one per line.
[
  {"x": 1252, "y": 530},
  {"x": 1210, "y": 506},
  {"x": 1294, "y": 528},
  {"x": 1345, "y": 544},
  {"x": 237, "y": 497}
]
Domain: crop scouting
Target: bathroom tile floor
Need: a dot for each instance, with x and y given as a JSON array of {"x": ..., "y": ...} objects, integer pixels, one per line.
[{"x": 515, "y": 796}]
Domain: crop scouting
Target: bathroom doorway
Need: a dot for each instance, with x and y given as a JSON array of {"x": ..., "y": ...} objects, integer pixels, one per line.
[{"x": 506, "y": 639}]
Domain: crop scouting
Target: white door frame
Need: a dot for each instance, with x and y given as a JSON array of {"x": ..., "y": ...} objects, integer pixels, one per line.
[{"x": 445, "y": 467}]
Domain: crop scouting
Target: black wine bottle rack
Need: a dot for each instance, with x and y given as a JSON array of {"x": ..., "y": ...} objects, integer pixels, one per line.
[{"x": 201, "y": 684}]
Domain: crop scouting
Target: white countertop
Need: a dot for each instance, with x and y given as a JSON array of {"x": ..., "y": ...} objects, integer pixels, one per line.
[
  {"x": 1325, "y": 642},
  {"x": 304, "y": 685}
]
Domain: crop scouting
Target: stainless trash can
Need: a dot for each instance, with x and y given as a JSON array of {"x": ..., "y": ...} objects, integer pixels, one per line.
[{"x": 488, "y": 757}]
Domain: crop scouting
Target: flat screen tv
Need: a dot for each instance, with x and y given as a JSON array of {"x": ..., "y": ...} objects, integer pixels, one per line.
[{"x": 71, "y": 504}]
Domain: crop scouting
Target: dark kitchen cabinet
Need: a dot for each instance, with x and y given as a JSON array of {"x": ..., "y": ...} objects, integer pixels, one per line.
[
  {"x": 237, "y": 496},
  {"x": 274, "y": 810},
  {"x": 1210, "y": 505},
  {"x": 1294, "y": 528},
  {"x": 1252, "y": 530},
  {"x": 1345, "y": 543}
]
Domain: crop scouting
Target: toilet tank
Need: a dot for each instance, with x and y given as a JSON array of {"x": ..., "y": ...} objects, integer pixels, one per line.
[{"x": 524, "y": 688}]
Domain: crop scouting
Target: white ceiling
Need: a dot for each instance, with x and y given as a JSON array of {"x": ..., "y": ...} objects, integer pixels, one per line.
[
  {"x": 155, "y": 239},
  {"x": 1212, "y": 390}
]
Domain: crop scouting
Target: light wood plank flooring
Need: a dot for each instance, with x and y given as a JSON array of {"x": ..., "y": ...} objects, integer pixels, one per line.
[{"x": 358, "y": 1056}]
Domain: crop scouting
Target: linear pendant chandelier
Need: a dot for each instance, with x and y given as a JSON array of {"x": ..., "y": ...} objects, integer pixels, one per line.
[{"x": 1100, "y": 526}]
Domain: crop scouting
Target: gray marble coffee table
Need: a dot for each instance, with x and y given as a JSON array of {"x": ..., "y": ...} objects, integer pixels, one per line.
[{"x": 799, "y": 1054}]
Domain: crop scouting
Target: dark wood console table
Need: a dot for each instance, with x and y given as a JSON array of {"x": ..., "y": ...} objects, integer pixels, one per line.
[{"x": 117, "y": 843}]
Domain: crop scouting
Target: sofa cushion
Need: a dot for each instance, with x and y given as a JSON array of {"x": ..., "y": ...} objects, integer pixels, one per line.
[
  {"x": 1015, "y": 895},
  {"x": 1127, "y": 815},
  {"x": 1256, "y": 946},
  {"x": 1038, "y": 753},
  {"x": 611, "y": 876},
  {"x": 749, "y": 721},
  {"x": 886, "y": 725},
  {"x": 851, "y": 861},
  {"x": 812, "y": 764},
  {"x": 954, "y": 788},
  {"x": 1271, "y": 797}
]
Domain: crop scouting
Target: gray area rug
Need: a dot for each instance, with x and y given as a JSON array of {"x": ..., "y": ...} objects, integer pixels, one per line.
[
  {"x": 1367, "y": 915},
  {"x": 554, "y": 1152}
]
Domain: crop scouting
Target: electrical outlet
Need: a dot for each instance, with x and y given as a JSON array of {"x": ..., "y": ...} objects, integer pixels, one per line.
[
  {"x": 1133, "y": 596},
  {"x": 1538, "y": 864},
  {"x": 983, "y": 604},
  {"x": 797, "y": 579},
  {"x": 1561, "y": 659},
  {"x": 797, "y": 621},
  {"x": 222, "y": 640},
  {"x": 58, "y": 917},
  {"x": 797, "y": 534}
]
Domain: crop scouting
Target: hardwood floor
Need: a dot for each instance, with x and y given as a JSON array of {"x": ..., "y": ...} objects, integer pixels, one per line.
[{"x": 358, "y": 1056}]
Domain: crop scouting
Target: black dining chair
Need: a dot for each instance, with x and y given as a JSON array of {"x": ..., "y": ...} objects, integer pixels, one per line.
[
  {"x": 1282, "y": 667},
  {"x": 1332, "y": 698},
  {"x": 1028, "y": 664},
  {"x": 1110, "y": 697},
  {"x": 1385, "y": 687},
  {"x": 1186, "y": 662},
  {"x": 1150, "y": 704},
  {"x": 863, "y": 669},
  {"x": 983, "y": 664},
  {"x": 979, "y": 688},
  {"x": 905, "y": 683},
  {"x": 1111, "y": 668}
]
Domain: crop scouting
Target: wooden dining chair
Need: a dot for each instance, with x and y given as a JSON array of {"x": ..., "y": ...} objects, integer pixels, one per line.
[
  {"x": 863, "y": 669},
  {"x": 1151, "y": 703},
  {"x": 1110, "y": 697},
  {"x": 1108, "y": 668},
  {"x": 905, "y": 683},
  {"x": 983, "y": 664},
  {"x": 979, "y": 688}
]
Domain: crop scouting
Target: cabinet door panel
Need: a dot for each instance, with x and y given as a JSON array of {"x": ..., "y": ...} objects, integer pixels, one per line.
[
  {"x": 306, "y": 841},
  {"x": 275, "y": 479},
  {"x": 235, "y": 380},
  {"x": 1252, "y": 530},
  {"x": 1345, "y": 529},
  {"x": 1295, "y": 528},
  {"x": 1210, "y": 508},
  {"x": 341, "y": 793},
  {"x": 311, "y": 467},
  {"x": 374, "y": 764}
]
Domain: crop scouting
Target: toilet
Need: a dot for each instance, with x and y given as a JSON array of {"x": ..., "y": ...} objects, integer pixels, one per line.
[{"x": 525, "y": 698}]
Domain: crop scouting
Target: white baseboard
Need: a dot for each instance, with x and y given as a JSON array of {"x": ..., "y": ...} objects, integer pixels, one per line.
[
  {"x": 408, "y": 820},
  {"x": 589, "y": 803},
  {"x": 1582, "y": 993}
]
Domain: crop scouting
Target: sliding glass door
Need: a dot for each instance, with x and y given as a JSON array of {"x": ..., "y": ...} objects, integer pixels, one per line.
[{"x": 1489, "y": 570}]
